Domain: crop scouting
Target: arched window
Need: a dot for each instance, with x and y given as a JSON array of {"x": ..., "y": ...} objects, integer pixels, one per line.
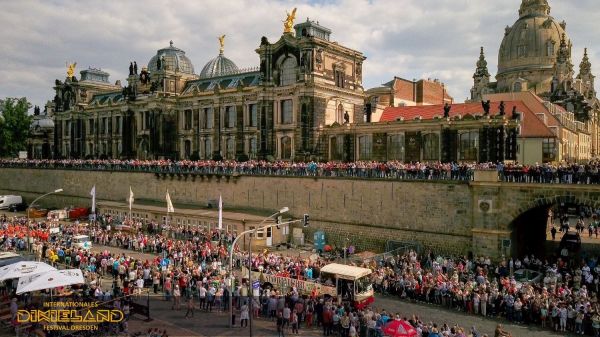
[
  {"x": 431, "y": 147},
  {"x": 517, "y": 87},
  {"x": 286, "y": 148},
  {"x": 230, "y": 151},
  {"x": 339, "y": 115},
  {"x": 288, "y": 71}
]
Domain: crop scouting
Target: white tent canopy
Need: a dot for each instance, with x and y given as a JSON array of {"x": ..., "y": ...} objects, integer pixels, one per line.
[
  {"x": 50, "y": 280},
  {"x": 24, "y": 269}
]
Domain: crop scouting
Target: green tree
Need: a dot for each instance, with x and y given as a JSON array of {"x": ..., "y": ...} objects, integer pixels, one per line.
[{"x": 14, "y": 125}]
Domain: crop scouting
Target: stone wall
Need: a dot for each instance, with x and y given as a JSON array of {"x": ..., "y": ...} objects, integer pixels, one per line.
[{"x": 438, "y": 215}]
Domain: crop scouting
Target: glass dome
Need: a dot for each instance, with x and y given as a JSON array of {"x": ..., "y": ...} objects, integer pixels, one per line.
[
  {"x": 174, "y": 59},
  {"x": 218, "y": 66}
]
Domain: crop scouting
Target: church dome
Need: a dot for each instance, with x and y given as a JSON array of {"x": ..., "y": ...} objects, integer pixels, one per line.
[
  {"x": 530, "y": 47},
  {"x": 174, "y": 59},
  {"x": 42, "y": 123},
  {"x": 218, "y": 66}
]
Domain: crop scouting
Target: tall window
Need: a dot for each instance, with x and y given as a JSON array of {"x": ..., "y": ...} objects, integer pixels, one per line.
[
  {"x": 146, "y": 122},
  {"x": 118, "y": 125},
  {"x": 549, "y": 150},
  {"x": 109, "y": 123},
  {"x": 396, "y": 147},
  {"x": 337, "y": 148},
  {"x": 252, "y": 148},
  {"x": 91, "y": 128},
  {"x": 339, "y": 78},
  {"x": 252, "y": 115},
  {"x": 517, "y": 87},
  {"x": 339, "y": 114},
  {"x": 286, "y": 147},
  {"x": 187, "y": 146},
  {"x": 365, "y": 147},
  {"x": 288, "y": 71},
  {"x": 207, "y": 118},
  {"x": 431, "y": 147},
  {"x": 187, "y": 123},
  {"x": 207, "y": 148},
  {"x": 550, "y": 48},
  {"x": 522, "y": 51},
  {"x": 230, "y": 151},
  {"x": 467, "y": 147},
  {"x": 230, "y": 117},
  {"x": 286, "y": 111}
]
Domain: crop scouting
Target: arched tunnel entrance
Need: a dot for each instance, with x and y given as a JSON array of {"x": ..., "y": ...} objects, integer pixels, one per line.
[{"x": 531, "y": 230}]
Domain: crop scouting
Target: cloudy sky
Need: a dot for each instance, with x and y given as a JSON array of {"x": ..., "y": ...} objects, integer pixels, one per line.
[{"x": 406, "y": 38}]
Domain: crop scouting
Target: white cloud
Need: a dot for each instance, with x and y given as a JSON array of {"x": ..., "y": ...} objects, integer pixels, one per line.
[{"x": 406, "y": 38}]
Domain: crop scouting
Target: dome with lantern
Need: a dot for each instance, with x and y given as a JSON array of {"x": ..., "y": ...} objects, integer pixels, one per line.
[{"x": 172, "y": 58}]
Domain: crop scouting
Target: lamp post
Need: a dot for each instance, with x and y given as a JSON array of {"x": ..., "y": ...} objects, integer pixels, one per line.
[
  {"x": 231, "y": 278},
  {"x": 28, "y": 211}
]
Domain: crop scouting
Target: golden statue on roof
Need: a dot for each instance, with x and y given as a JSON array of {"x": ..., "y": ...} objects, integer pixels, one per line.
[
  {"x": 222, "y": 43},
  {"x": 71, "y": 69},
  {"x": 288, "y": 23}
]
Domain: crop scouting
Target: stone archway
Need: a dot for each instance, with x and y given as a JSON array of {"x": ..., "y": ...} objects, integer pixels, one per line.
[{"x": 529, "y": 226}]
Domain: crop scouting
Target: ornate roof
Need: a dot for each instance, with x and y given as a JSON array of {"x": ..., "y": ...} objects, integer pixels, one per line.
[
  {"x": 174, "y": 60},
  {"x": 219, "y": 66},
  {"x": 532, "y": 43}
]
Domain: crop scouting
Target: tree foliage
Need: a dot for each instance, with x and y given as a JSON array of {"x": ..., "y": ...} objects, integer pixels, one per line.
[{"x": 14, "y": 125}]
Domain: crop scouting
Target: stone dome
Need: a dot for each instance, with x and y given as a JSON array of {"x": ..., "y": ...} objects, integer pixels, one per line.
[
  {"x": 218, "y": 66},
  {"x": 175, "y": 59},
  {"x": 530, "y": 47}
]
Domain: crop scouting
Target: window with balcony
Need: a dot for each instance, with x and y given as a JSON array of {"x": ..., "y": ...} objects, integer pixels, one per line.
[
  {"x": 339, "y": 78},
  {"x": 207, "y": 148},
  {"x": 252, "y": 148},
  {"x": 230, "y": 150}
]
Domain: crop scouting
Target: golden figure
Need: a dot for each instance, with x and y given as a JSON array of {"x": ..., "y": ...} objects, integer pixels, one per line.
[
  {"x": 288, "y": 24},
  {"x": 222, "y": 43},
  {"x": 71, "y": 69}
]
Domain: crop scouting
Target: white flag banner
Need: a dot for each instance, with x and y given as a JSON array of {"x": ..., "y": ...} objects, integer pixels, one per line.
[
  {"x": 93, "y": 194},
  {"x": 220, "y": 212},
  {"x": 170, "y": 208},
  {"x": 130, "y": 198}
]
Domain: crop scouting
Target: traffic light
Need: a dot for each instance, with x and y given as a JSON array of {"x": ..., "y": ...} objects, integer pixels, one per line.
[{"x": 305, "y": 219}]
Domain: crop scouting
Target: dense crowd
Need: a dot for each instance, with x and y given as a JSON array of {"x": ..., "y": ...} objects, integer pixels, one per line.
[
  {"x": 565, "y": 298},
  {"x": 566, "y": 173},
  {"x": 190, "y": 272}
]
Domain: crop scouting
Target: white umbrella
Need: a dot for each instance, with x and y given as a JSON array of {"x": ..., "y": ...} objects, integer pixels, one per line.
[
  {"x": 50, "y": 280},
  {"x": 23, "y": 269}
]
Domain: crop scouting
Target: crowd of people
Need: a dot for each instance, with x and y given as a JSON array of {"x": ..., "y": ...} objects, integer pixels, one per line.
[
  {"x": 189, "y": 269},
  {"x": 565, "y": 173},
  {"x": 565, "y": 298}
]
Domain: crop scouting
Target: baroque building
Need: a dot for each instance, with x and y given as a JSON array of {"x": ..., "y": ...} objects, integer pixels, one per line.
[
  {"x": 304, "y": 83},
  {"x": 535, "y": 56}
]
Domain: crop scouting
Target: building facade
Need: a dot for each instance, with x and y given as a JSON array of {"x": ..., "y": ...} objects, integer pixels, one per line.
[
  {"x": 278, "y": 110},
  {"x": 535, "y": 56}
]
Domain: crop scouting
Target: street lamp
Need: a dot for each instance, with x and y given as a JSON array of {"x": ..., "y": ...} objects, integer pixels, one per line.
[
  {"x": 231, "y": 278},
  {"x": 28, "y": 211}
]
